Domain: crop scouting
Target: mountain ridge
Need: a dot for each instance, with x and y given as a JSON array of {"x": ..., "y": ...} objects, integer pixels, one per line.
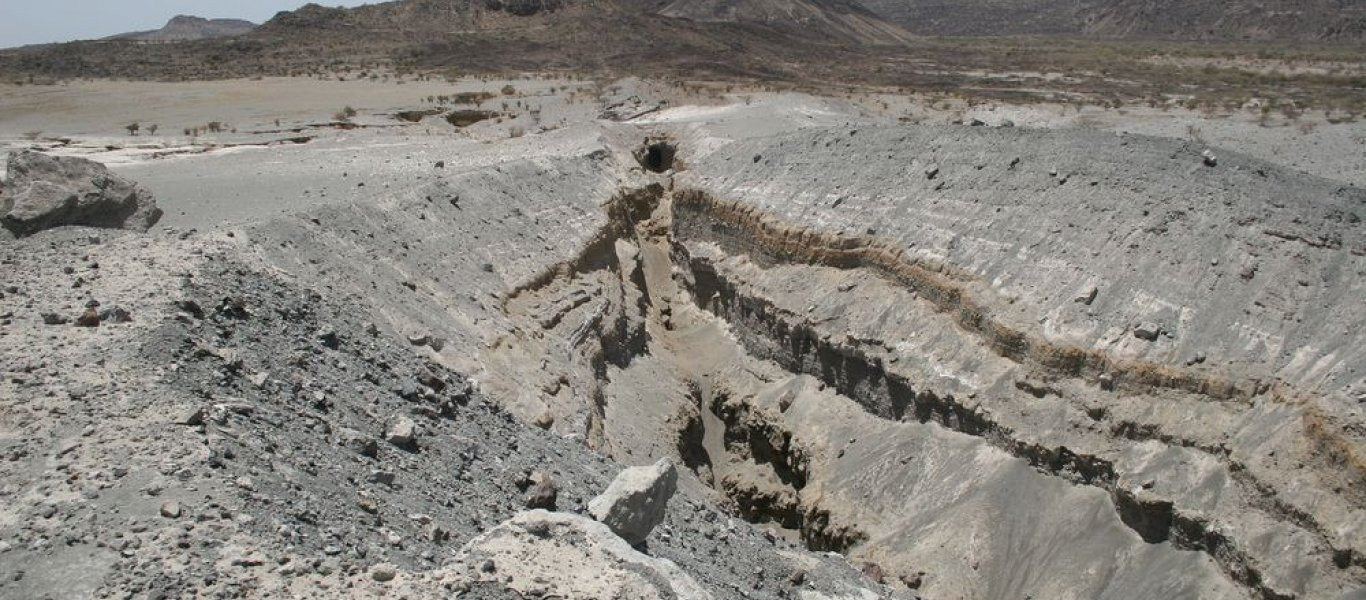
[{"x": 1176, "y": 20}]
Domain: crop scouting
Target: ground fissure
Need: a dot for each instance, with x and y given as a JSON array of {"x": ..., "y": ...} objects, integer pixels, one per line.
[{"x": 663, "y": 292}]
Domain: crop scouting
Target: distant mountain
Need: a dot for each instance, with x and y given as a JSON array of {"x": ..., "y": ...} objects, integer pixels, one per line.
[
  {"x": 728, "y": 38},
  {"x": 835, "y": 20},
  {"x": 1288, "y": 20},
  {"x": 186, "y": 28}
]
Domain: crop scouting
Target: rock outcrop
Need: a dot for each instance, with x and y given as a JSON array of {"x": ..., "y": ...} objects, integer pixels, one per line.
[
  {"x": 538, "y": 553},
  {"x": 635, "y": 501},
  {"x": 51, "y": 191}
]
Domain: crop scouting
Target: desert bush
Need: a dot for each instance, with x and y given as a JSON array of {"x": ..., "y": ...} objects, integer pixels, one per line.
[
  {"x": 516, "y": 131},
  {"x": 132, "y": 128},
  {"x": 32, "y": 135},
  {"x": 1195, "y": 134},
  {"x": 508, "y": 90}
]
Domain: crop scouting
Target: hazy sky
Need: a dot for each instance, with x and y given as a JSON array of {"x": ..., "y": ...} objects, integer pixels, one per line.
[{"x": 40, "y": 21}]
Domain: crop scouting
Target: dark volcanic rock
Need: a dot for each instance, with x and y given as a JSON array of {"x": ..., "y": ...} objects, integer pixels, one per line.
[
  {"x": 465, "y": 118},
  {"x": 51, "y": 191}
]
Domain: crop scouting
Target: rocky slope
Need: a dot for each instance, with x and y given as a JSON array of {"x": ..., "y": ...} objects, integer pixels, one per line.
[
  {"x": 223, "y": 431},
  {"x": 1315, "y": 20}
]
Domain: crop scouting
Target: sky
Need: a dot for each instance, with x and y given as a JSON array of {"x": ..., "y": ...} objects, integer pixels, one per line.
[{"x": 25, "y": 22}]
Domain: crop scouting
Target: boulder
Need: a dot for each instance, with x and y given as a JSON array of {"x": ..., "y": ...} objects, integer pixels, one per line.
[
  {"x": 51, "y": 191},
  {"x": 544, "y": 493},
  {"x": 548, "y": 554},
  {"x": 1148, "y": 331},
  {"x": 467, "y": 117},
  {"x": 635, "y": 501},
  {"x": 403, "y": 433}
]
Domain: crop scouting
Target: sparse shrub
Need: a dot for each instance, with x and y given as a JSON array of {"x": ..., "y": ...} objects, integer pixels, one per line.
[
  {"x": 516, "y": 131},
  {"x": 508, "y": 90},
  {"x": 152, "y": 129},
  {"x": 32, "y": 135},
  {"x": 132, "y": 128},
  {"x": 1195, "y": 134}
]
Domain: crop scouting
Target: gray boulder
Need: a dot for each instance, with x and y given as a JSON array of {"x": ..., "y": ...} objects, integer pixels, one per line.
[
  {"x": 635, "y": 501},
  {"x": 541, "y": 554},
  {"x": 1148, "y": 331},
  {"x": 51, "y": 191}
]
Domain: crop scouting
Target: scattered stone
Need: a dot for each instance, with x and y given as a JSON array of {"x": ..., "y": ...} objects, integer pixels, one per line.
[
  {"x": 366, "y": 502},
  {"x": 327, "y": 336},
  {"x": 170, "y": 509},
  {"x": 403, "y": 434},
  {"x": 190, "y": 415},
  {"x": 430, "y": 380},
  {"x": 913, "y": 581},
  {"x": 116, "y": 315},
  {"x": 545, "y": 420},
  {"x": 1088, "y": 295},
  {"x": 635, "y": 501},
  {"x": 381, "y": 477},
  {"x": 383, "y": 572},
  {"x": 1209, "y": 158},
  {"x": 54, "y": 319},
  {"x": 361, "y": 444},
  {"x": 544, "y": 492},
  {"x": 191, "y": 307},
  {"x": 931, "y": 171},
  {"x": 1148, "y": 331},
  {"x": 89, "y": 318}
]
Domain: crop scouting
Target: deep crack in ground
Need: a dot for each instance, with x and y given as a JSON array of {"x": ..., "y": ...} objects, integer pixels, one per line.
[{"x": 639, "y": 289}]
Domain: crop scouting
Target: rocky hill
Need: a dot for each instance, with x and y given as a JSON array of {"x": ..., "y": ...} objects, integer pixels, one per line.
[
  {"x": 183, "y": 28},
  {"x": 1311, "y": 20},
  {"x": 756, "y": 39}
]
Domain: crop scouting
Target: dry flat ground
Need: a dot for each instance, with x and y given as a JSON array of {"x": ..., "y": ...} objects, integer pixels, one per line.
[{"x": 1096, "y": 354}]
